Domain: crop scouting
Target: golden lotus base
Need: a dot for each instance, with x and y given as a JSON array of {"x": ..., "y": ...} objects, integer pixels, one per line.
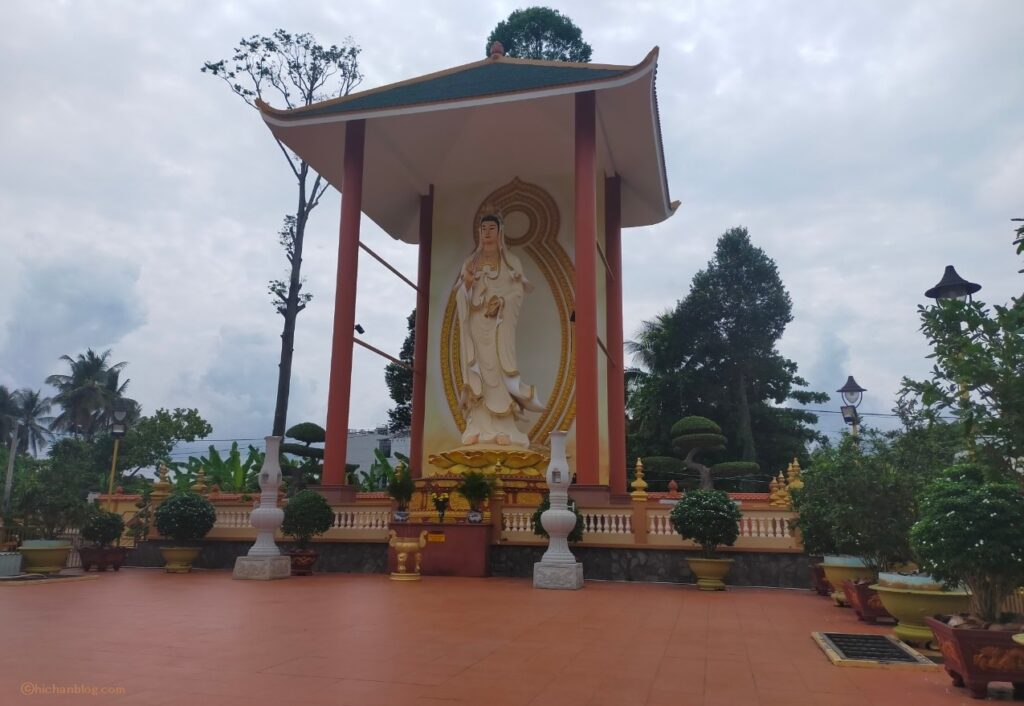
[
  {"x": 395, "y": 576},
  {"x": 511, "y": 461}
]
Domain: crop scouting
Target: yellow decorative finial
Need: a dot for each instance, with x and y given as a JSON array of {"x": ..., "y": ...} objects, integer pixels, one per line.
[
  {"x": 795, "y": 480},
  {"x": 200, "y": 484},
  {"x": 639, "y": 485}
]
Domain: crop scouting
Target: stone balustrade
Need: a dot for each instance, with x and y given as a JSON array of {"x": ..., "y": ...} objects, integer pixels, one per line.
[{"x": 645, "y": 521}]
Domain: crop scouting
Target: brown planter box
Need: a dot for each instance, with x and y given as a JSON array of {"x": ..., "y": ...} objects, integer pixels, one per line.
[
  {"x": 821, "y": 585},
  {"x": 102, "y": 557},
  {"x": 461, "y": 549},
  {"x": 973, "y": 658},
  {"x": 865, "y": 602}
]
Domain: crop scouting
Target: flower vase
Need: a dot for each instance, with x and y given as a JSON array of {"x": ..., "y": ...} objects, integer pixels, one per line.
[{"x": 440, "y": 516}]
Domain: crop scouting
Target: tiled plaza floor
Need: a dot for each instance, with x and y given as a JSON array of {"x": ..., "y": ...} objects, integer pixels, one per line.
[{"x": 336, "y": 639}]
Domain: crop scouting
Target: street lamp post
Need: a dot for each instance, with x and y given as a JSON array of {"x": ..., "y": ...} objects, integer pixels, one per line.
[
  {"x": 118, "y": 429},
  {"x": 852, "y": 396},
  {"x": 953, "y": 287}
]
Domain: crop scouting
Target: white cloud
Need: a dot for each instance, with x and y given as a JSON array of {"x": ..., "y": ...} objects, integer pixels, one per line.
[{"x": 864, "y": 145}]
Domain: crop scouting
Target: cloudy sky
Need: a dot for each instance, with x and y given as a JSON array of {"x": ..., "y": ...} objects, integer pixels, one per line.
[{"x": 864, "y": 145}]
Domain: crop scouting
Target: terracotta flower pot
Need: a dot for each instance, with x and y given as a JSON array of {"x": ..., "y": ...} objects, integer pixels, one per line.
[
  {"x": 302, "y": 561},
  {"x": 45, "y": 556},
  {"x": 709, "y": 572},
  {"x": 911, "y": 607},
  {"x": 865, "y": 602},
  {"x": 973, "y": 658},
  {"x": 849, "y": 570},
  {"x": 178, "y": 560}
]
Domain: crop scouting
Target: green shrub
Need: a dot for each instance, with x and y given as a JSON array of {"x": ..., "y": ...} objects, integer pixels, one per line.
[
  {"x": 475, "y": 487},
  {"x": 307, "y": 515},
  {"x": 708, "y": 517},
  {"x": 185, "y": 517},
  {"x": 970, "y": 533},
  {"x": 401, "y": 487},
  {"x": 538, "y": 529},
  {"x": 102, "y": 528}
]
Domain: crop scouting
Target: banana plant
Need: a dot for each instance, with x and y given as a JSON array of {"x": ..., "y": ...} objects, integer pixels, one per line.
[{"x": 231, "y": 473}]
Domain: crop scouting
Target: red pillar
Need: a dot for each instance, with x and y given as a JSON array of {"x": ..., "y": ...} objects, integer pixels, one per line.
[
  {"x": 336, "y": 444},
  {"x": 617, "y": 462},
  {"x": 587, "y": 434},
  {"x": 419, "y": 365}
]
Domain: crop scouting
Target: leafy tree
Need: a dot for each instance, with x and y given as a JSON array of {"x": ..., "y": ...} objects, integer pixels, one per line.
[
  {"x": 8, "y": 413},
  {"x": 306, "y": 515},
  {"x": 715, "y": 355},
  {"x": 969, "y": 533},
  {"x": 399, "y": 381},
  {"x": 855, "y": 501},
  {"x": 30, "y": 408},
  {"x": 978, "y": 374},
  {"x": 88, "y": 394},
  {"x": 151, "y": 439},
  {"x": 540, "y": 33},
  {"x": 298, "y": 71},
  {"x": 51, "y": 494},
  {"x": 693, "y": 435}
]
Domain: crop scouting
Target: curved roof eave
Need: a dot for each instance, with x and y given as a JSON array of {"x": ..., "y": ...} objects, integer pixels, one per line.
[{"x": 300, "y": 131}]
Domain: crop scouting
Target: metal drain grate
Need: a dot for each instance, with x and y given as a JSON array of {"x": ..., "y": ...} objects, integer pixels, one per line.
[{"x": 859, "y": 650}]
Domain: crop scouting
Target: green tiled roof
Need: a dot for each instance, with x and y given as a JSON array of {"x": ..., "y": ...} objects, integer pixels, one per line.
[{"x": 491, "y": 78}]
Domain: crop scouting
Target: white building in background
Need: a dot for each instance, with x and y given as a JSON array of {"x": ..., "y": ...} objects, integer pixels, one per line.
[{"x": 362, "y": 442}]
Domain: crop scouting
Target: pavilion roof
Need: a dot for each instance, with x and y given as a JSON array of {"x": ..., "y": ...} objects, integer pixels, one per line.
[{"x": 440, "y": 129}]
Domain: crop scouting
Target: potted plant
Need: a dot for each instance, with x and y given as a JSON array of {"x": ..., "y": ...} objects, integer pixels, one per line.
[
  {"x": 855, "y": 509},
  {"x": 184, "y": 518},
  {"x": 970, "y": 534},
  {"x": 476, "y": 488},
  {"x": 401, "y": 488},
  {"x": 306, "y": 515},
  {"x": 102, "y": 529},
  {"x": 441, "y": 501},
  {"x": 52, "y": 511},
  {"x": 711, "y": 519}
]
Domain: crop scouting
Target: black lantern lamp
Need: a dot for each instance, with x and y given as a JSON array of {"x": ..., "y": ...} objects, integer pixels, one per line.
[
  {"x": 852, "y": 396},
  {"x": 952, "y": 286},
  {"x": 119, "y": 427}
]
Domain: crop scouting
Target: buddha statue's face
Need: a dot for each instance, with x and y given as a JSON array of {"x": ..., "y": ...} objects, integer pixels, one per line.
[{"x": 489, "y": 236}]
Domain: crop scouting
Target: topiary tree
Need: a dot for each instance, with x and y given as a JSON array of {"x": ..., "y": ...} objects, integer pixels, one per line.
[
  {"x": 185, "y": 517},
  {"x": 310, "y": 469},
  {"x": 694, "y": 435},
  {"x": 102, "y": 528},
  {"x": 970, "y": 533},
  {"x": 306, "y": 515},
  {"x": 708, "y": 517}
]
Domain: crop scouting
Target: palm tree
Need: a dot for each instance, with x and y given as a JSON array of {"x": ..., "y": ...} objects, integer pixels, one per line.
[
  {"x": 31, "y": 406},
  {"x": 8, "y": 412},
  {"x": 88, "y": 394}
]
